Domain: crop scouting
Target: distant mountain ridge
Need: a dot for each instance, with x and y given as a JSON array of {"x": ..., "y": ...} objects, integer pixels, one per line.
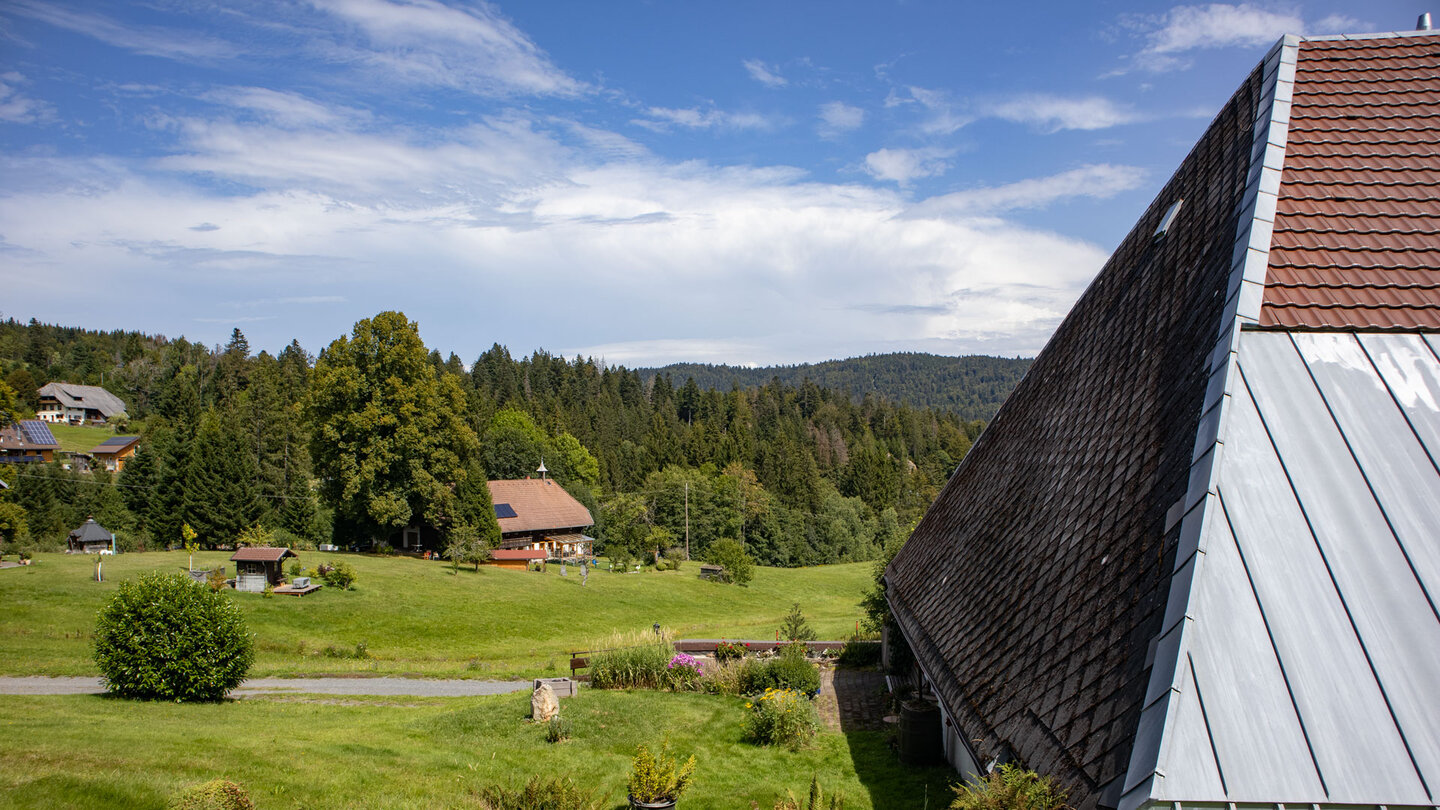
[{"x": 971, "y": 387}]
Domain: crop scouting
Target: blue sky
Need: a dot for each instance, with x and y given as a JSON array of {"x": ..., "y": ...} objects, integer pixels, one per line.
[{"x": 642, "y": 182}]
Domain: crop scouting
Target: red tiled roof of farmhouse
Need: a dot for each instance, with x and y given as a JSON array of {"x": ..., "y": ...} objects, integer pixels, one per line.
[
  {"x": 537, "y": 505},
  {"x": 1356, "y": 244}
]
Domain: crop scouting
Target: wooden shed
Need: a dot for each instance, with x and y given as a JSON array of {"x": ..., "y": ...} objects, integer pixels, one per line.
[
  {"x": 256, "y": 567},
  {"x": 517, "y": 559}
]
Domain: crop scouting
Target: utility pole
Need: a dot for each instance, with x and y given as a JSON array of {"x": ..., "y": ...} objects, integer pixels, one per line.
[{"x": 687, "y": 520}]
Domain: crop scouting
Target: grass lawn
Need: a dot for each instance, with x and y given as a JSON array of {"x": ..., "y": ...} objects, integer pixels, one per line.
[
  {"x": 297, "y": 751},
  {"x": 79, "y": 438},
  {"x": 419, "y": 618}
]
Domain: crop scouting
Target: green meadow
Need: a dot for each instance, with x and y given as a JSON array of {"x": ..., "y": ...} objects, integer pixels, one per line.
[
  {"x": 421, "y": 618},
  {"x": 311, "y": 751}
]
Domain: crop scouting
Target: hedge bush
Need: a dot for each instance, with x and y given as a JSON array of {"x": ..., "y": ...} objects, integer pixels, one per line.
[
  {"x": 165, "y": 637},
  {"x": 789, "y": 670}
]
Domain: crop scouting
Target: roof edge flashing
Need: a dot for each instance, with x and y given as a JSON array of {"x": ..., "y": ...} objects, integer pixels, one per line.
[{"x": 1252, "y": 258}]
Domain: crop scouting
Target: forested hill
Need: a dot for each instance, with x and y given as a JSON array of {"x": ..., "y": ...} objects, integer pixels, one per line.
[
  {"x": 379, "y": 432},
  {"x": 971, "y": 387}
]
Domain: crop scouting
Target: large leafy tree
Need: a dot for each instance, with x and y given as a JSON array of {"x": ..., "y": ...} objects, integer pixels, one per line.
[{"x": 389, "y": 439}]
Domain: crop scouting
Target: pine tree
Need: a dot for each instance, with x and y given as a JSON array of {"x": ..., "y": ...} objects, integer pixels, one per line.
[{"x": 221, "y": 493}]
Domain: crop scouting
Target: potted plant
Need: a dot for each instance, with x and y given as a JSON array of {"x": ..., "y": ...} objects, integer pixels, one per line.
[{"x": 656, "y": 780}]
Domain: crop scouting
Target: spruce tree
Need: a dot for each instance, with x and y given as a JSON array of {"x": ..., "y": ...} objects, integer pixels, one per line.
[{"x": 222, "y": 492}]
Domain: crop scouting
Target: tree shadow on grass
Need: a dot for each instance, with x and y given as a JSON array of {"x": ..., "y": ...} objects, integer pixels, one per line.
[{"x": 889, "y": 782}]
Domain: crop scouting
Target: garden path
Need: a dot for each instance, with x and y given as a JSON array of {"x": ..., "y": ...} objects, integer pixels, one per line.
[
  {"x": 851, "y": 699},
  {"x": 405, "y": 687}
]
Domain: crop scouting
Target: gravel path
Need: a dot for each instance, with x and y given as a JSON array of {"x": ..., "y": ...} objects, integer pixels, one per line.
[{"x": 404, "y": 687}]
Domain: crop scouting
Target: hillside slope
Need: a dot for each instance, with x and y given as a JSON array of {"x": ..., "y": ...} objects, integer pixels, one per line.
[{"x": 972, "y": 387}]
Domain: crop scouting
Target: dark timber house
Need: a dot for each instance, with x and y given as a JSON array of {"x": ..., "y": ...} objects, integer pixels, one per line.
[{"x": 1194, "y": 561}]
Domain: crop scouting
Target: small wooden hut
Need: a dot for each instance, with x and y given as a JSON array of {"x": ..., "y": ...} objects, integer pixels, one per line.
[
  {"x": 257, "y": 566},
  {"x": 517, "y": 559}
]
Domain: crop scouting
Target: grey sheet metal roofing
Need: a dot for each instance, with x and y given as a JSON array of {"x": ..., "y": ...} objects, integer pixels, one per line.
[{"x": 1216, "y": 544}]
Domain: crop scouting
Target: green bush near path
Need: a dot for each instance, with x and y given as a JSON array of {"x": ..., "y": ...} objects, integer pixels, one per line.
[
  {"x": 318, "y": 751},
  {"x": 417, "y": 617}
]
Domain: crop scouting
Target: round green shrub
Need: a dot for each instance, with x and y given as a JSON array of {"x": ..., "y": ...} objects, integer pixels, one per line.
[
  {"x": 165, "y": 637},
  {"x": 217, "y": 794}
]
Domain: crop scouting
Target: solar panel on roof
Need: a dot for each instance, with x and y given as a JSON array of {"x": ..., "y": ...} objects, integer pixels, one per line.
[
  {"x": 505, "y": 510},
  {"x": 117, "y": 440},
  {"x": 37, "y": 432}
]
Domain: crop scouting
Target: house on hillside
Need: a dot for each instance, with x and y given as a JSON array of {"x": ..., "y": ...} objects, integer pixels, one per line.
[
  {"x": 114, "y": 452},
  {"x": 538, "y": 514},
  {"x": 28, "y": 441},
  {"x": 1193, "y": 560},
  {"x": 77, "y": 404},
  {"x": 90, "y": 538}
]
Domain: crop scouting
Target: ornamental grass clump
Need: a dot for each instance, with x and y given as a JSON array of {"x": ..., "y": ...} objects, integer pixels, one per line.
[
  {"x": 1010, "y": 787},
  {"x": 632, "y": 661},
  {"x": 163, "y": 637},
  {"x": 722, "y": 678},
  {"x": 781, "y": 717}
]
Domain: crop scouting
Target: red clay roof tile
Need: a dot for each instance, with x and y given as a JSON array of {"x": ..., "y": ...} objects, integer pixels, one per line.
[{"x": 1356, "y": 243}]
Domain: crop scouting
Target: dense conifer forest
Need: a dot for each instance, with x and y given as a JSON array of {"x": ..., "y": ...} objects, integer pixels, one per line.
[
  {"x": 377, "y": 432},
  {"x": 972, "y": 387}
]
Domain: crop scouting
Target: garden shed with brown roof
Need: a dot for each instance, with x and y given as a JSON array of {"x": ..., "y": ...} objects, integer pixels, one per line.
[
  {"x": 1192, "y": 561},
  {"x": 256, "y": 566}
]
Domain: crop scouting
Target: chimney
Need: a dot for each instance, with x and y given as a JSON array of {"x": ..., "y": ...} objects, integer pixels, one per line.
[{"x": 1423, "y": 24}]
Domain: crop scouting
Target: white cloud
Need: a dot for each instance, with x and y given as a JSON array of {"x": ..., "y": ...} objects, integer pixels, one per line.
[
  {"x": 944, "y": 115},
  {"x": 837, "y": 118},
  {"x": 169, "y": 43},
  {"x": 18, "y": 108},
  {"x": 504, "y": 224},
  {"x": 472, "y": 48},
  {"x": 1055, "y": 113},
  {"x": 1095, "y": 182},
  {"x": 904, "y": 165},
  {"x": 1171, "y": 36},
  {"x": 1341, "y": 24},
  {"x": 1218, "y": 25},
  {"x": 285, "y": 109},
  {"x": 663, "y": 119},
  {"x": 763, "y": 73}
]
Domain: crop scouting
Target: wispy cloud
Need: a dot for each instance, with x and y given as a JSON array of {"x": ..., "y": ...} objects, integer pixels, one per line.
[
  {"x": 1170, "y": 37},
  {"x": 1056, "y": 113},
  {"x": 285, "y": 109},
  {"x": 904, "y": 165},
  {"x": 663, "y": 119},
  {"x": 169, "y": 43},
  {"x": 430, "y": 43},
  {"x": 1095, "y": 182},
  {"x": 763, "y": 73},
  {"x": 838, "y": 118},
  {"x": 18, "y": 108}
]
